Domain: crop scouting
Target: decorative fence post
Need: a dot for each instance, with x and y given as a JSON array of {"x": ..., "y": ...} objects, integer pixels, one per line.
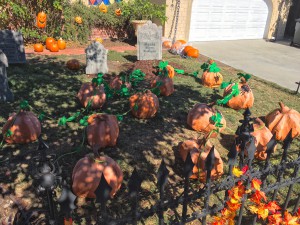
[
  {"x": 286, "y": 144},
  {"x": 134, "y": 186},
  {"x": 102, "y": 195},
  {"x": 188, "y": 168},
  {"x": 46, "y": 177},
  {"x": 66, "y": 202},
  {"x": 162, "y": 180},
  {"x": 209, "y": 164}
]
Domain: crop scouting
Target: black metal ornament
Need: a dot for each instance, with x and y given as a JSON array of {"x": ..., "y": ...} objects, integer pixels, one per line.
[
  {"x": 134, "y": 183},
  {"x": 162, "y": 175},
  {"x": 103, "y": 191},
  {"x": 66, "y": 201},
  {"x": 188, "y": 165}
]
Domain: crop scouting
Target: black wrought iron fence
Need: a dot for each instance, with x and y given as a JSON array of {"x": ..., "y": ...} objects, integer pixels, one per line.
[{"x": 189, "y": 195}]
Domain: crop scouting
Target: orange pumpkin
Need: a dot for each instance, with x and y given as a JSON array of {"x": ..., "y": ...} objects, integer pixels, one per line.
[
  {"x": 211, "y": 79},
  {"x": 103, "y": 8},
  {"x": 144, "y": 105},
  {"x": 167, "y": 44},
  {"x": 244, "y": 100},
  {"x": 61, "y": 44},
  {"x": 282, "y": 120},
  {"x": 102, "y": 131},
  {"x": 194, "y": 53},
  {"x": 41, "y": 20},
  {"x": 49, "y": 42},
  {"x": 171, "y": 71},
  {"x": 78, "y": 20},
  {"x": 25, "y": 128},
  {"x": 73, "y": 64},
  {"x": 262, "y": 137},
  {"x": 38, "y": 47},
  {"x": 199, "y": 119},
  {"x": 187, "y": 48},
  {"x": 176, "y": 46},
  {"x": 118, "y": 12},
  {"x": 117, "y": 83},
  {"x": 167, "y": 87},
  {"x": 182, "y": 41},
  {"x": 90, "y": 92},
  {"x": 199, "y": 172},
  {"x": 100, "y": 40},
  {"x": 87, "y": 174},
  {"x": 54, "y": 47}
]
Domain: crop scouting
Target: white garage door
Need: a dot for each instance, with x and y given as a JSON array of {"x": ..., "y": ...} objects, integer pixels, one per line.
[{"x": 228, "y": 19}]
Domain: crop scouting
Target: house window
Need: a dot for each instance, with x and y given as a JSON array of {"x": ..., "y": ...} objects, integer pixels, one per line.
[{"x": 106, "y": 2}]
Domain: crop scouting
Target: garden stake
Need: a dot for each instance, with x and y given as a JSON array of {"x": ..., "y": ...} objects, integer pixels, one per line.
[
  {"x": 162, "y": 180},
  {"x": 134, "y": 186},
  {"x": 209, "y": 164},
  {"x": 102, "y": 195},
  {"x": 296, "y": 171},
  {"x": 286, "y": 144},
  {"x": 188, "y": 170},
  {"x": 297, "y": 87}
]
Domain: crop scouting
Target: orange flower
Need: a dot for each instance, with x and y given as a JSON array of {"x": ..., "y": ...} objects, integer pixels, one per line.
[
  {"x": 262, "y": 213},
  {"x": 257, "y": 196},
  {"x": 218, "y": 221},
  {"x": 245, "y": 169},
  {"x": 275, "y": 219},
  {"x": 237, "y": 172},
  {"x": 226, "y": 213},
  {"x": 253, "y": 209},
  {"x": 255, "y": 183},
  {"x": 289, "y": 219},
  {"x": 233, "y": 206},
  {"x": 273, "y": 207}
]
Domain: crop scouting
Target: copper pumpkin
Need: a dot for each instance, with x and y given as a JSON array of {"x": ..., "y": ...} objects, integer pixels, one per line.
[
  {"x": 282, "y": 120},
  {"x": 192, "y": 147},
  {"x": 262, "y": 137},
  {"x": 211, "y": 79},
  {"x": 144, "y": 105},
  {"x": 116, "y": 83},
  {"x": 244, "y": 100},
  {"x": 90, "y": 92},
  {"x": 87, "y": 174},
  {"x": 167, "y": 87},
  {"x": 73, "y": 64},
  {"x": 199, "y": 119},
  {"x": 25, "y": 128}
]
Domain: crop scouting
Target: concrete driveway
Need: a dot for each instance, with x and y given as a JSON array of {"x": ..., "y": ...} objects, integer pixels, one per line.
[{"x": 276, "y": 62}]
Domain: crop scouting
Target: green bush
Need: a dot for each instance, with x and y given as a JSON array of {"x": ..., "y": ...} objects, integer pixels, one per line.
[{"x": 21, "y": 15}]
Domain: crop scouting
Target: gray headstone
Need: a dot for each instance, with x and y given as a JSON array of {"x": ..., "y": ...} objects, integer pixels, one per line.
[
  {"x": 5, "y": 93},
  {"x": 11, "y": 43},
  {"x": 96, "y": 59},
  {"x": 149, "y": 42}
]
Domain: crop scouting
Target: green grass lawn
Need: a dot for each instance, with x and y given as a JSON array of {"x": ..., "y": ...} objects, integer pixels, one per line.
[{"x": 49, "y": 86}]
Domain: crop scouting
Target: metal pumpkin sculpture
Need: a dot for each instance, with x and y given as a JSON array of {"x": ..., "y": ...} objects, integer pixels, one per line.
[{"x": 41, "y": 19}]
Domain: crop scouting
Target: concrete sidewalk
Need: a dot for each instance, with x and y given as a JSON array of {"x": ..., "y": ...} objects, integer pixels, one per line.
[{"x": 276, "y": 62}]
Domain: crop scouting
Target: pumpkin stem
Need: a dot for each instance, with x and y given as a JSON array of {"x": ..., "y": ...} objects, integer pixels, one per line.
[{"x": 283, "y": 107}]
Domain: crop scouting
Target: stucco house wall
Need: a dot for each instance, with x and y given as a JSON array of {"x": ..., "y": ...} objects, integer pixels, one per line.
[{"x": 279, "y": 10}]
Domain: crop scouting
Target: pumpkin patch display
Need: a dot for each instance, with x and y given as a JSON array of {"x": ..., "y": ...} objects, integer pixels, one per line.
[
  {"x": 211, "y": 76},
  {"x": 23, "y": 127},
  {"x": 144, "y": 105},
  {"x": 237, "y": 95},
  {"x": 49, "y": 42},
  {"x": 199, "y": 155},
  {"x": 41, "y": 20},
  {"x": 92, "y": 93},
  {"x": 73, "y": 64},
  {"x": 262, "y": 137},
  {"x": 88, "y": 172},
  {"x": 206, "y": 119},
  {"x": 187, "y": 48},
  {"x": 38, "y": 47},
  {"x": 61, "y": 44},
  {"x": 118, "y": 12},
  {"x": 103, "y": 8},
  {"x": 280, "y": 121},
  {"x": 78, "y": 20},
  {"x": 102, "y": 131}
]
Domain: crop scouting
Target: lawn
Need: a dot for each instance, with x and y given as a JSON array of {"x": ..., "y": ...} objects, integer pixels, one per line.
[{"x": 50, "y": 87}]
